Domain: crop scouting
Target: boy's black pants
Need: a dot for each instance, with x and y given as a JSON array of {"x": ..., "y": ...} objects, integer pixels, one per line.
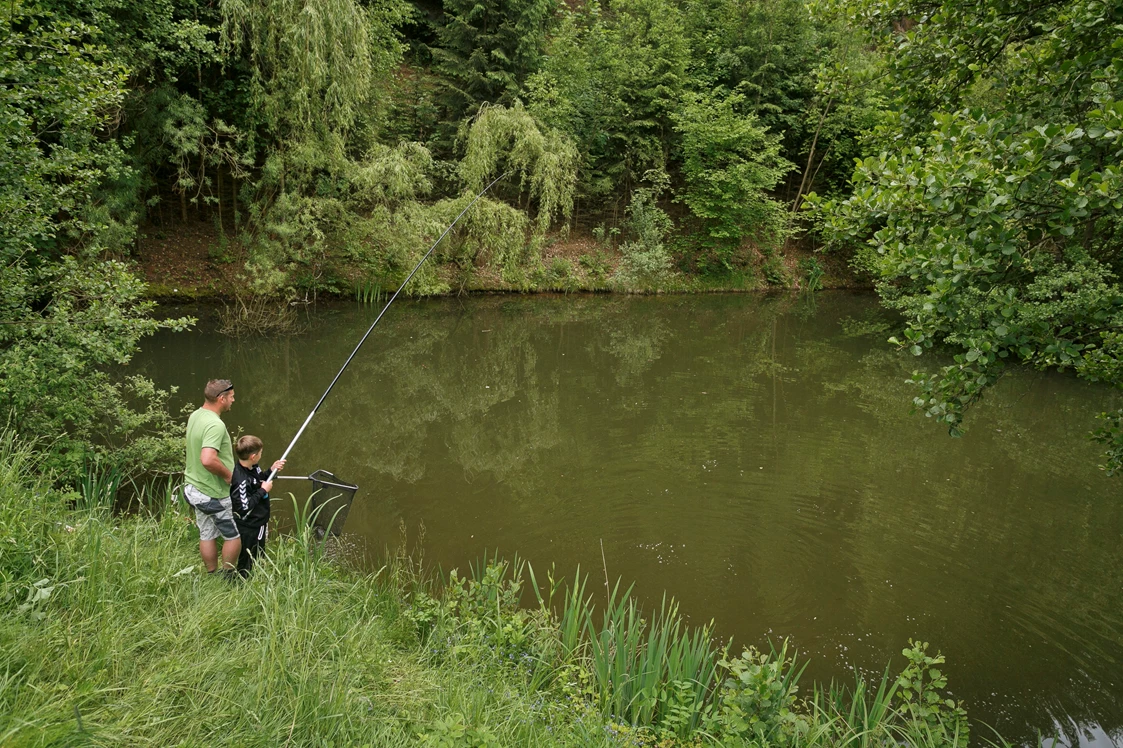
[{"x": 253, "y": 546}]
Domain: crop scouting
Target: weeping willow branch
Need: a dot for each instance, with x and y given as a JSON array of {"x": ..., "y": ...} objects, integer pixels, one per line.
[
  {"x": 545, "y": 159},
  {"x": 314, "y": 63}
]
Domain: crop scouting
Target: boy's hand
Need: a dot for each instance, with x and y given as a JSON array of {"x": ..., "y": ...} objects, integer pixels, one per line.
[
  {"x": 278, "y": 466},
  {"x": 267, "y": 485}
]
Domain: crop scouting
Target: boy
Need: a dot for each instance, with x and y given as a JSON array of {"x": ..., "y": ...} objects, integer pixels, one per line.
[{"x": 249, "y": 498}]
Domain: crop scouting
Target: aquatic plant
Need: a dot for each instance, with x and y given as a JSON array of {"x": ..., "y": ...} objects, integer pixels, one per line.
[
  {"x": 99, "y": 485},
  {"x": 257, "y": 315},
  {"x": 367, "y": 292}
]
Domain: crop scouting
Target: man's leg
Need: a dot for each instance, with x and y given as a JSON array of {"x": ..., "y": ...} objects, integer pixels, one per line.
[
  {"x": 208, "y": 549},
  {"x": 231, "y": 548},
  {"x": 205, "y": 508},
  {"x": 215, "y": 519},
  {"x": 231, "y": 541}
]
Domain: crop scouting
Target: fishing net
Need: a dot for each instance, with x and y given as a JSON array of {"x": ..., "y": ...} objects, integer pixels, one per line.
[{"x": 331, "y": 502}]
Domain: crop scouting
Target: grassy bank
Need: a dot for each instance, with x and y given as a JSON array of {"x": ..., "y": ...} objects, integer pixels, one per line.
[{"x": 110, "y": 634}]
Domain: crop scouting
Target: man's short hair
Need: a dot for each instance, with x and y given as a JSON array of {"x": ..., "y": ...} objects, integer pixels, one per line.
[
  {"x": 248, "y": 445},
  {"x": 216, "y": 387}
]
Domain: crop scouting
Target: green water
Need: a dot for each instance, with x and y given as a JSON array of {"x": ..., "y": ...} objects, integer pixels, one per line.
[{"x": 753, "y": 457}]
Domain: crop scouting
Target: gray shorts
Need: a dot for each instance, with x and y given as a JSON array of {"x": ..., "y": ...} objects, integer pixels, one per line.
[{"x": 213, "y": 516}]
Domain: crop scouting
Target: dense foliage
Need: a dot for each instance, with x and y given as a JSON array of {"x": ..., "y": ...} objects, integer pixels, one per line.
[
  {"x": 67, "y": 310},
  {"x": 274, "y": 121},
  {"x": 991, "y": 214}
]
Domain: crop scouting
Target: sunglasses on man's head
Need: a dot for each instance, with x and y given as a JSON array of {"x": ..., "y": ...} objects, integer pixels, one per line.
[{"x": 226, "y": 390}]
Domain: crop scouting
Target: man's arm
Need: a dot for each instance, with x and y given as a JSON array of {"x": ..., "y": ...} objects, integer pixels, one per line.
[{"x": 209, "y": 457}]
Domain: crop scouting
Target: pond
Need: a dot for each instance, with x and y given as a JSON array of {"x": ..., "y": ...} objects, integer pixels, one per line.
[{"x": 752, "y": 456}]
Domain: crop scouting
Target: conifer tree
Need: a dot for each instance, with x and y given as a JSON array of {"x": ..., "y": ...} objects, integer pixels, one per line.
[{"x": 488, "y": 49}]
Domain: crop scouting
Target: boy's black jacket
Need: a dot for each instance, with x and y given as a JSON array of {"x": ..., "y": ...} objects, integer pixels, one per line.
[{"x": 247, "y": 498}]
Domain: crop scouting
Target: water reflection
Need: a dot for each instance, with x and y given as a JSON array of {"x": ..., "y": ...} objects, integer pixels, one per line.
[{"x": 753, "y": 456}]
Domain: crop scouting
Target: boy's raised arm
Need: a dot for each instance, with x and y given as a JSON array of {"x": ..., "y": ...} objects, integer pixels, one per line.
[{"x": 277, "y": 467}]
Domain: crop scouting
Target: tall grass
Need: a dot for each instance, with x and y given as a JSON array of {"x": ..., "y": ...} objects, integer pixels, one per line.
[
  {"x": 857, "y": 718},
  {"x": 112, "y": 634}
]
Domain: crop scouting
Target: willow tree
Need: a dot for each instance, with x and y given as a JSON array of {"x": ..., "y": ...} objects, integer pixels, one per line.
[
  {"x": 539, "y": 170},
  {"x": 314, "y": 71},
  {"x": 543, "y": 160},
  {"x": 313, "y": 64}
]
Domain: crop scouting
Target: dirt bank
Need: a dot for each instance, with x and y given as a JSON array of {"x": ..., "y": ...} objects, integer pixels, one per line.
[{"x": 193, "y": 260}]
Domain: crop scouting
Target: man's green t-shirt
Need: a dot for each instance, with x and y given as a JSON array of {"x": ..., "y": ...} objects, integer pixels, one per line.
[{"x": 206, "y": 429}]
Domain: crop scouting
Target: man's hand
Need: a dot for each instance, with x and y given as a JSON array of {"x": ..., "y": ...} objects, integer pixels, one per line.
[
  {"x": 267, "y": 486},
  {"x": 278, "y": 466},
  {"x": 209, "y": 457}
]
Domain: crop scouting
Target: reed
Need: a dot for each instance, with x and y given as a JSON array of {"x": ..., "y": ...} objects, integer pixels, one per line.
[
  {"x": 99, "y": 485},
  {"x": 656, "y": 672},
  {"x": 368, "y": 292},
  {"x": 642, "y": 666}
]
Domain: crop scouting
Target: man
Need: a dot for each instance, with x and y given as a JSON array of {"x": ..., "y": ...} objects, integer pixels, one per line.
[{"x": 208, "y": 469}]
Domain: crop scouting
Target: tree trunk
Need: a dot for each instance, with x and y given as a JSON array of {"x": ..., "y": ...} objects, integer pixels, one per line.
[
  {"x": 202, "y": 182},
  {"x": 803, "y": 183}
]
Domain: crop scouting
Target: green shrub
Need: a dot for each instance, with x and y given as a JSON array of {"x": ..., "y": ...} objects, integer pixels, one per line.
[
  {"x": 558, "y": 275},
  {"x": 646, "y": 261},
  {"x": 757, "y": 700},
  {"x": 596, "y": 266},
  {"x": 773, "y": 269},
  {"x": 731, "y": 163},
  {"x": 931, "y": 713}
]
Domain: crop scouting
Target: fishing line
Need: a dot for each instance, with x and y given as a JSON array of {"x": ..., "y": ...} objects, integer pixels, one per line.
[{"x": 376, "y": 319}]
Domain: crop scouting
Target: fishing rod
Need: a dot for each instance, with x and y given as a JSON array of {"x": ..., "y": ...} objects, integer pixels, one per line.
[{"x": 346, "y": 363}]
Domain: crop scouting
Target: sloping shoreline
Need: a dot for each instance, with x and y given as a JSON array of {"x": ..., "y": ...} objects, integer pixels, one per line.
[{"x": 194, "y": 261}]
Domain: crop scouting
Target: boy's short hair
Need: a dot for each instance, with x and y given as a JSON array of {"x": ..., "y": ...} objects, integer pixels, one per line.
[
  {"x": 216, "y": 387},
  {"x": 247, "y": 446}
]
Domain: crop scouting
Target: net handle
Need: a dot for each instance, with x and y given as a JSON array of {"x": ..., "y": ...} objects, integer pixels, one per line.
[{"x": 347, "y": 486}]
